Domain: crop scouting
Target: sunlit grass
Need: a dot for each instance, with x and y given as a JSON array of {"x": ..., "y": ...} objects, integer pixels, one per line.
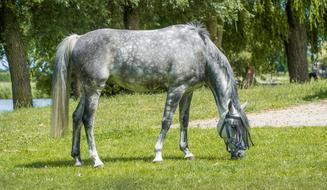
[
  {"x": 126, "y": 130},
  {"x": 6, "y": 91}
]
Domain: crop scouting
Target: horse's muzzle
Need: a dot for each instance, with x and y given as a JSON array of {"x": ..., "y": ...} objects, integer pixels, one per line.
[
  {"x": 236, "y": 149},
  {"x": 237, "y": 154}
]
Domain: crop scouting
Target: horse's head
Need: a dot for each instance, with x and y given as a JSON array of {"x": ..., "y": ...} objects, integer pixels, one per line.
[{"x": 233, "y": 128}]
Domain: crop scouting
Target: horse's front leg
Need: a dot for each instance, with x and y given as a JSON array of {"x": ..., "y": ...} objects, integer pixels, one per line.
[
  {"x": 184, "y": 109},
  {"x": 77, "y": 124},
  {"x": 91, "y": 103},
  {"x": 173, "y": 97}
]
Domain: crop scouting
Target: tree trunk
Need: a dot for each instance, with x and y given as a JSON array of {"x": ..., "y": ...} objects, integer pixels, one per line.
[
  {"x": 296, "y": 47},
  {"x": 215, "y": 28},
  {"x": 131, "y": 17},
  {"x": 249, "y": 77},
  {"x": 16, "y": 55}
]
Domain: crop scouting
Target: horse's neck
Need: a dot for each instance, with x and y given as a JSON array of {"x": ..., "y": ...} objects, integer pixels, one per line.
[
  {"x": 221, "y": 85},
  {"x": 219, "y": 77}
]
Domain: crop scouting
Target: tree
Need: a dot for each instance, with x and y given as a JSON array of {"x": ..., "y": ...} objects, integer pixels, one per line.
[
  {"x": 286, "y": 24},
  {"x": 296, "y": 46},
  {"x": 51, "y": 21},
  {"x": 12, "y": 40},
  {"x": 130, "y": 14},
  {"x": 257, "y": 28}
]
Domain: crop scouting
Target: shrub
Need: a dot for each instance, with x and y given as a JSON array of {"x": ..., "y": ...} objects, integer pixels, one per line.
[{"x": 112, "y": 89}]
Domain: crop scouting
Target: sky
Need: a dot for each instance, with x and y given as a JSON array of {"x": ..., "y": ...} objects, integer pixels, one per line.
[{"x": 3, "y": 63}]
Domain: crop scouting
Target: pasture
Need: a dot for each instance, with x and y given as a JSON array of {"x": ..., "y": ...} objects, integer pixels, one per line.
[
  {"x": 6, "y": 93},
  {"x": 126, "y": 130},
  {"x": 5, "y": 90}
]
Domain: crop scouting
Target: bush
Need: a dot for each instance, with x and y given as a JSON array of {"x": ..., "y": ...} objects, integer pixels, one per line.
[
  {"x": 43, "y": 85},
  {"x": 112, "y": 89}
]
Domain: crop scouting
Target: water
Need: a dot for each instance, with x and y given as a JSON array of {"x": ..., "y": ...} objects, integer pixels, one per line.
[{"x": 7, "y": 104}]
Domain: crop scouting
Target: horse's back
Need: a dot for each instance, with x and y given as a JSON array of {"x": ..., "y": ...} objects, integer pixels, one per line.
[{"x": 141, "y": 59}]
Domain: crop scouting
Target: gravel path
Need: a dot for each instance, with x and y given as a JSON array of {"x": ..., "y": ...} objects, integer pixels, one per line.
[{"x": 311, "y": 114}]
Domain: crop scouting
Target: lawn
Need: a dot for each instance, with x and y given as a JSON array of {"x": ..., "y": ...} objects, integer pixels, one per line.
[
  {"x": 126, "y": 130},
  {"x": 6, "y": 93},
  {"x": 5, "y": 90}
]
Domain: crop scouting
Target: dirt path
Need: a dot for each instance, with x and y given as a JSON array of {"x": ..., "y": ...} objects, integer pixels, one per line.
[{"x": 311, "y": 114}]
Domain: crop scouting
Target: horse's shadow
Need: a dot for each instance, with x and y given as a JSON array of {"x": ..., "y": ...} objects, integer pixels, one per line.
[{"x": 88, "y": 162}]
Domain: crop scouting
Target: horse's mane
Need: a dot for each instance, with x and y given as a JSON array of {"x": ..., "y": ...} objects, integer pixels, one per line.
[
  {"x": 203, "y": 32},
  {"x": 199, "y": 28},
  {"x": 234, "y": 98}
]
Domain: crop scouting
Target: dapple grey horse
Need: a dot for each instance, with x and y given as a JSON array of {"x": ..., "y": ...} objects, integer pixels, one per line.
[{"x": 178, "y": 58}]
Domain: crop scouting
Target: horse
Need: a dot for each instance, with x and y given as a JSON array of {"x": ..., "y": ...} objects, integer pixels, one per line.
[{"x": 178, "y": 59}]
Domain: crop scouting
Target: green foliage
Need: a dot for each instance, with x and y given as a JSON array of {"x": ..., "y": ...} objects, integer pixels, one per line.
[
  {"x": 258, "y": 27},
  {"x": 78, "y": 17},
  {"x": 126, "y": 130},
  {"x": 264, "y": 33},
  {"x": 323, "y": 53},
  {"x": 2, "y": 51},
  {"x": 67, "y": 17},
  {"x": 113, "y": 89}
]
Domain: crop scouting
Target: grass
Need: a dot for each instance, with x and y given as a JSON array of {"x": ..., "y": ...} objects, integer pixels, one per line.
[
  {"x": 126, "y": 131},
  {"x": 6, "y": 92}
]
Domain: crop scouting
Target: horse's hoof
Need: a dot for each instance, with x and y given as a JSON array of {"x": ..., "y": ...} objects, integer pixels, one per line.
[
  {"x": 190, "y": 156},
  {"x": 78, "y": 163},
  {"x": 157, "y": 160},
  {"x": 98, "y": 165}
]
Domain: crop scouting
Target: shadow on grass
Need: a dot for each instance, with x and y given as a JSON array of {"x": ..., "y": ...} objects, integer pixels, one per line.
[
  {"x": 48, "y": 164},
  {"x": 150, "y": 158},
  {"x": 322, "y": 94},
  {"x": 88, "y": 162}
]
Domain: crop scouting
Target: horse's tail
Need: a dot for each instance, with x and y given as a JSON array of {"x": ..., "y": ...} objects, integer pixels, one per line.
[{"x": 60, "y": 87}]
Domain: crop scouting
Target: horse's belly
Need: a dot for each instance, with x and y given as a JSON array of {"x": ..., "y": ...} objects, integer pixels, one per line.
[
  {"x": 154, "y": 73},
  {"x": 140, "y": 83}
]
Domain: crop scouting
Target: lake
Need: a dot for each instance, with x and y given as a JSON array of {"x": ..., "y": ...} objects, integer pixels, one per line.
[{"x": 7, "y": 104}]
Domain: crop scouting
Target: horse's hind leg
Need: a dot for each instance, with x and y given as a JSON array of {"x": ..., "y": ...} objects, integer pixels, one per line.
[
  {"x": 184, "y": 109},
  {"x": 92, "y": 94},
  {"x": 173, "y": 97},
  {"x": 77, "y": 124}
]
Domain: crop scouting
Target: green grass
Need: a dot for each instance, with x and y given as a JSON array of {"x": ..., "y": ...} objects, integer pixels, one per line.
[
  {"x": 6, "y": 92},
  {"x": 271, "y": 97},
  {"x": 126, "y": 130}
]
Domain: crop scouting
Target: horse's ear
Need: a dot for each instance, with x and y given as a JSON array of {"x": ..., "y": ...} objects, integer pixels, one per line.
[
  {"x": 231, "y": 108},
  {"x": 244, "y": 106}
]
